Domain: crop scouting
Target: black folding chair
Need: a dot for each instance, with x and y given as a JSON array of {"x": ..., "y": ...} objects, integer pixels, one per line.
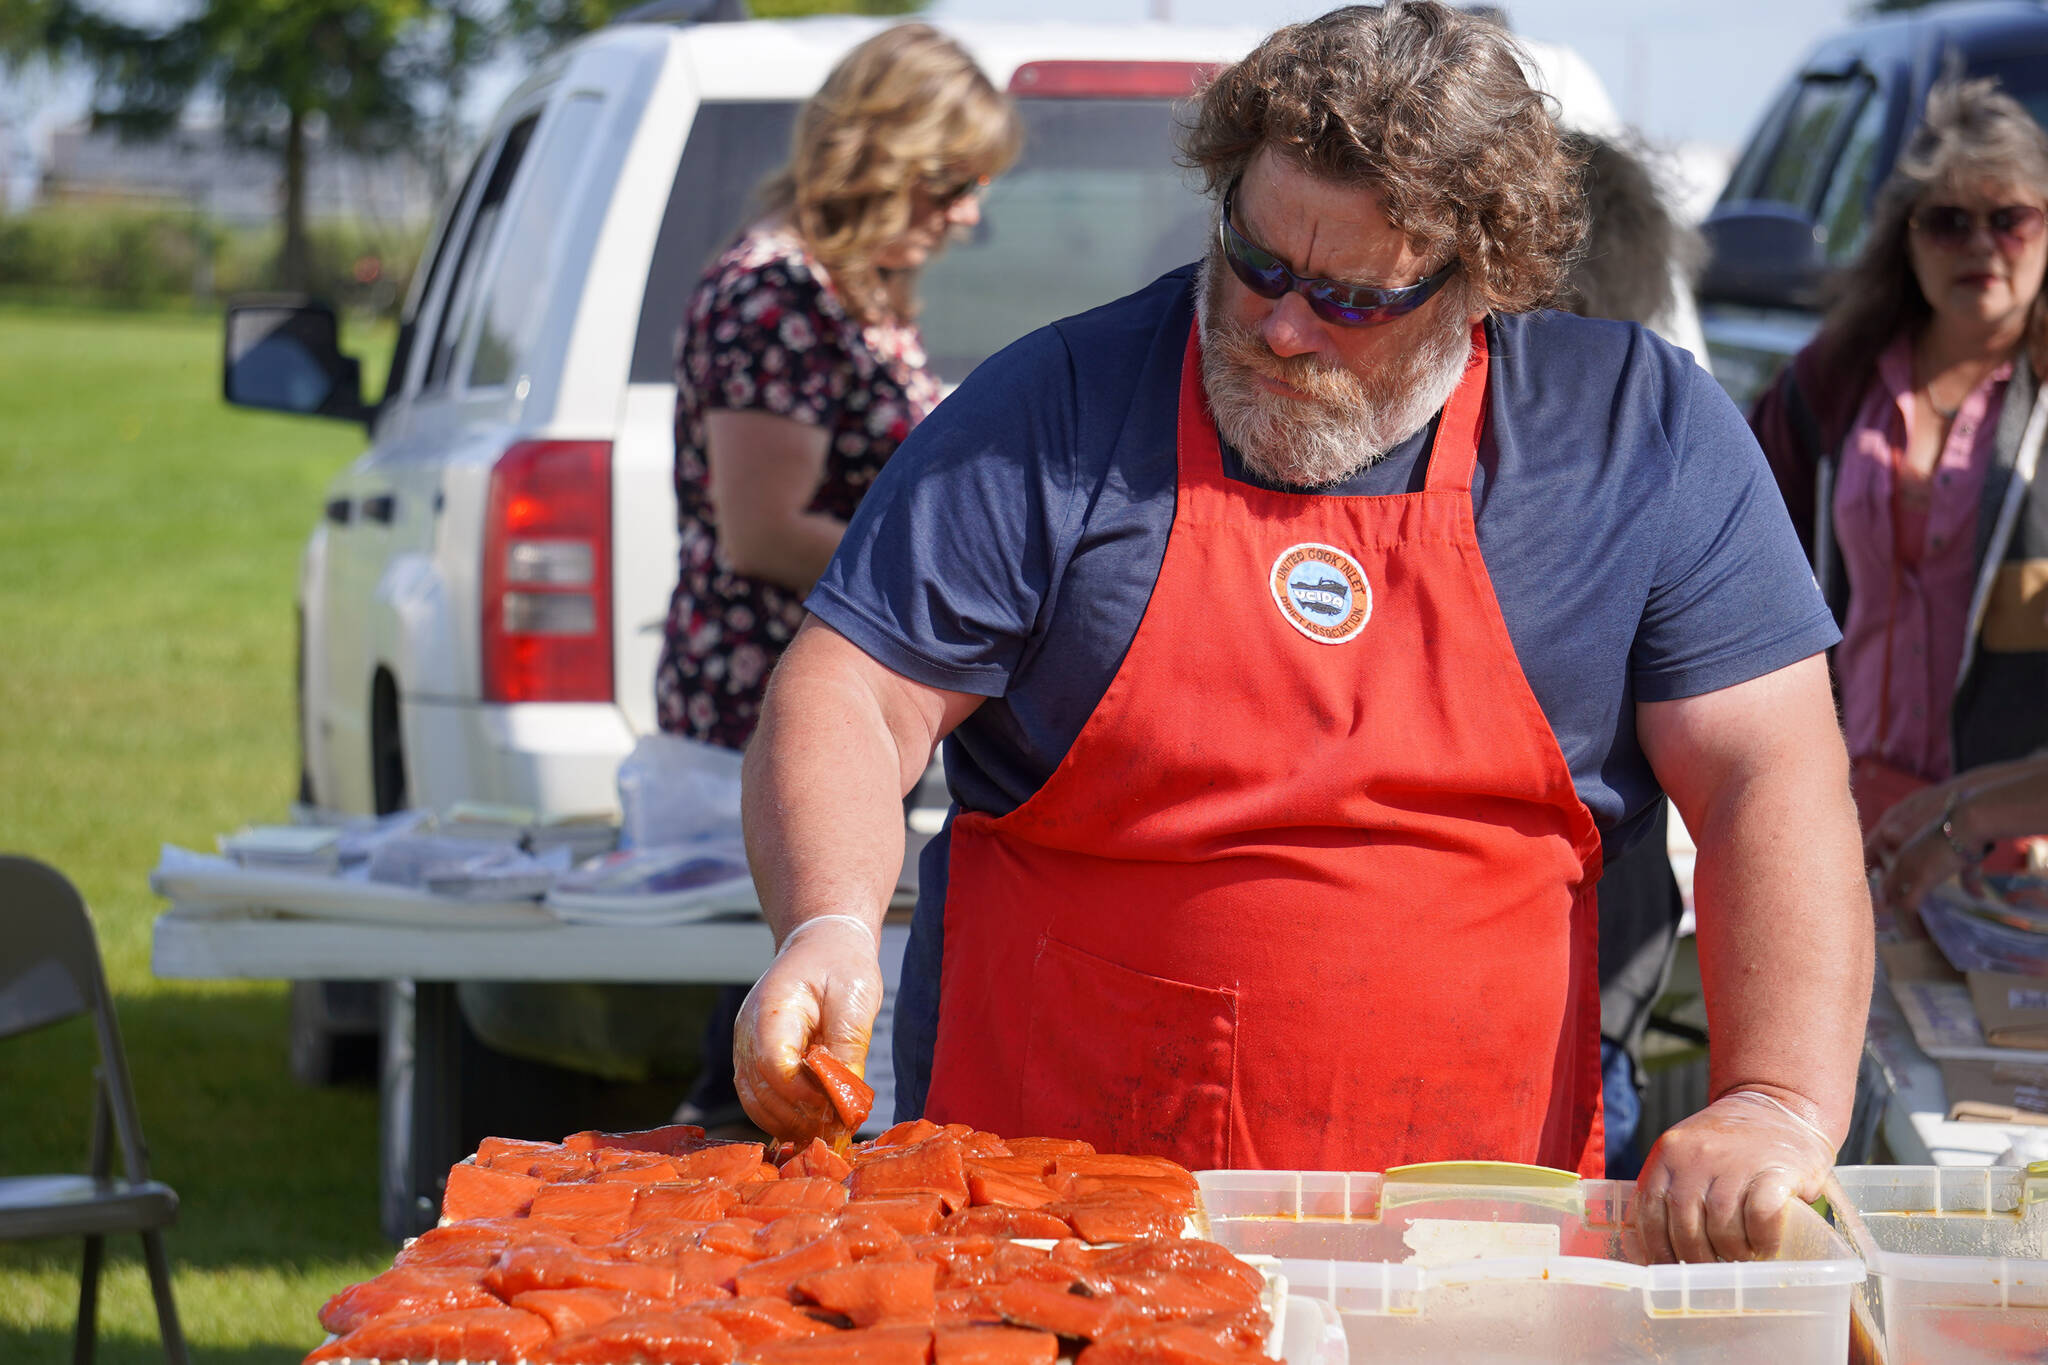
[{"x": 49, "y": 972}]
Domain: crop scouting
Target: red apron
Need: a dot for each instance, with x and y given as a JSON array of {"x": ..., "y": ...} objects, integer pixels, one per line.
[{"x": 1313, "y": 888}]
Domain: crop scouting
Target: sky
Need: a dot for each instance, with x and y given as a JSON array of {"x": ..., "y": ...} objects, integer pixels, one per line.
[{"x": 1681, "y": 71}]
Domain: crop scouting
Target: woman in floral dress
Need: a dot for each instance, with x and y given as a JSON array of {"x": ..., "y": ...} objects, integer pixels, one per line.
[{"x": 799, "y": 370}]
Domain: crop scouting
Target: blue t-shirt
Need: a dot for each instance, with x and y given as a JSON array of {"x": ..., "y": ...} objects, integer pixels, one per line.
[{"x": 1634, "y": 537}]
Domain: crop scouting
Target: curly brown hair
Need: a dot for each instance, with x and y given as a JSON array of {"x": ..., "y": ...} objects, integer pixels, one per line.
[
  {"x": 1430, "y": 108},
  {"x": 906, "y": 109}
]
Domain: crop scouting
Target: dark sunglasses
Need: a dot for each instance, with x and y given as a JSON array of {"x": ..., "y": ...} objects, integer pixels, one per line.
[
  {"x": 1347, "y": 305},
  {"x": 1951, "y": 227}
]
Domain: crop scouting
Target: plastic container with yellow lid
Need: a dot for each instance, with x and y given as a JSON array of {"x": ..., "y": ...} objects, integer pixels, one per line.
[{"x": 1484, "y": 1264}]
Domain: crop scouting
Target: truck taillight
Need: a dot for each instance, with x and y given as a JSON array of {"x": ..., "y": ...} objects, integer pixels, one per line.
[{"x": 547, "y": 574}]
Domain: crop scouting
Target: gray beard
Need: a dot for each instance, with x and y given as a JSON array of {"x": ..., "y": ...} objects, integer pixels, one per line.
[{"x": 1346, "y": 424}]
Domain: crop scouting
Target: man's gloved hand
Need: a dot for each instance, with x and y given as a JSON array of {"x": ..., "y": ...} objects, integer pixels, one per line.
[
  {"x": 824, "y": 986},
  {"x": 1716, "y": 1187}
]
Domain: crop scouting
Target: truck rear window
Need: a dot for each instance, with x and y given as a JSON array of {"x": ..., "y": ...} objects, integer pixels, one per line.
[{"x": 1094, "y": 209}]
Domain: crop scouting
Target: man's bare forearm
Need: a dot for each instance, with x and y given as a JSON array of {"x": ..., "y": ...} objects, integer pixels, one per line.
[
  {"x": 1785, "y": 935},
  {"x": 822, "y": 793}
]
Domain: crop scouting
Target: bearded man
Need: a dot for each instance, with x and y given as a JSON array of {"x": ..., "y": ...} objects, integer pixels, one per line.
[{"x": 1305, "y": 627}]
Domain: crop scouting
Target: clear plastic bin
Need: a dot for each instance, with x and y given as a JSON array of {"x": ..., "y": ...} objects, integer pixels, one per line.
[
  {"x": 1483, "y": 1265},
  {"x": 1958, "y": 1262}
]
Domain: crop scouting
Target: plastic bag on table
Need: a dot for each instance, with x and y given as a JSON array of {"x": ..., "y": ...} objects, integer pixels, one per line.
[
  {"x": 678, "y": 791},
  {"x": 461, "y": 868}
]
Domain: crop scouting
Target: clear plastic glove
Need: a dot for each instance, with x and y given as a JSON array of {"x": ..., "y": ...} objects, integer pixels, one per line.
[
  {"x": 1716, "y": 1187},
  {"x": 1904, "y": 823},
  {"x": 825, "y": 986},
  {"x": 1922, "y": 863}
]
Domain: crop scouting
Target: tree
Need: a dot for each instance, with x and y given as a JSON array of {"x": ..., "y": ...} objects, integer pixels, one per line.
[{"x": 280, "y": 69}]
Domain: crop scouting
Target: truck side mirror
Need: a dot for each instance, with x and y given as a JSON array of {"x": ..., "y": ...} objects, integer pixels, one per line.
[
  {"x": 1764, "y": 254},
  {"x": 284, "y": 355}
]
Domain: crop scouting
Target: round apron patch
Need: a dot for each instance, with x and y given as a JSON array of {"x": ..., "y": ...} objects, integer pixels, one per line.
[{"x": 1322, "y": 592}]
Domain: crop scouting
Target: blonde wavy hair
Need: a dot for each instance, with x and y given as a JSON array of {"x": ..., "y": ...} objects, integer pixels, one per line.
[{"x": 906, "y": 110}]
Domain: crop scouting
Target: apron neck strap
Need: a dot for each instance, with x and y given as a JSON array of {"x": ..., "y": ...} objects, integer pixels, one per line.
[{"x": 1455, "y": 452}]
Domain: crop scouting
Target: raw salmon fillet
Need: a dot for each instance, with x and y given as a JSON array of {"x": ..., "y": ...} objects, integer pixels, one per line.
[
  {"x": 1075, "y": 1186},
  {"x": 1052, "y": 1309},
  {"x": 1119, "y": 1216},
  {"x": 652, "y": 1242},
  {"x": 1030, "y": 1166},
  {"x": 663, "y": 1338},
  {"x": 1205, "y": 1262},
  {"x": 860, "y": 1346},
  {"x": 493, "y": 1334},
  {"x": 853, "y": 1099},
  {"x": 688, "y": 1201},
  {"x": 733, "y": 1237},
  {"x": 966, "y": 1308},
  {"x": 869, "y": 1237},
  {"x": 807, "y": 1194},
  {"x": 1106, "y": 1164},
  {"x": 472, "y": 1244},
  {"x": 775, "y": 1277},
  {"x": 819, "y": 1160},
  {"x": 791, "y": 1231},
  {"x": 754, "y": 1322},
  {"x": 993, "y": 1346},
  {"x": 1049, "y": 1147},
  {"x": 572, "y": 1310},
  {"x": 555, "y": 1164},
  {"x": 596, "y": 1202},
  {"x": 480, "y": 1192},
  {"x": 652, "y": 1172},
  {"x": 731, "y": 1162},
  {"x": 1006, "y": 1222},
  {"x": 525, "y": 1268},
  {"x": 987, "y": 1185},
  {"x": 902, "y": 1135},
  {"x": 912, "y": 1215},
  {"x": 874, "y": 1293},
  {"x": 415, "y": 1292},
  {"x": 1171, "y": 1344},
  {"x": 674, "y": 1140},
  {"x": 934, "y": 1166}
]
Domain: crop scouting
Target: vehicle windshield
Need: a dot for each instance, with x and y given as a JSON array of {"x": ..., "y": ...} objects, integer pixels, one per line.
[
  {"x": 1094, "y": 208},
  {"x": 2024, "y": 76}
]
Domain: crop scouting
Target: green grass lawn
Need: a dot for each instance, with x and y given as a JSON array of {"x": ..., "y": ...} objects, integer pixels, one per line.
[{"x": 149, "y": 542}]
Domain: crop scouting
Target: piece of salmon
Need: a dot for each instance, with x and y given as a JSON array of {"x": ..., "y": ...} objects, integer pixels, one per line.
[
  {"x": 525, "y": 1268},
  {"x": 817, "y": 1160},
  {"x": 676, "y": 1139},
  {"x": 874, "y": 1292},
  {"x": 1119, "y": 1216},
  {"x": 906, "y": 1134},
  {"x": 792, "y": 1231},
  {"x": 1049, "y": 1147},
  {"x": 481, "y": 1192},
  {"x": 495, "y": 1334},
  {"x": 775, "y": 1277},
  {"x": 1052, "y": 1309},
  {"x": 1034, "y": 1167},
  {"x": 415, "y": 1291},
  {"x": 998, "y": 1221},
  {"x": 1205, "y": 1261},
  {"x": 986, "y": 1185},
  {"x": 754, "y": 1322},
  {"x": 733, "y": 1237},
  {"x": 685, "y": 1201},
  {"x": 993, "y": 1346},
  {"x": 731, "y": 1162},
  {"x": 852, "y": 1098},
  {"x": 1165, "y": 1344},
  {"x": 658, "y": 1171},
  {"x": 475, "y": 1243},
  {"x": 659, "y": 1338},
  {"x": 870, "y": 1237},
  {"x": 913, "y": 1215},
  {"x": 1072, "y": 1185},
  {"x": 491, "y": 1148},
  {"x": 652, "y": 1242},
  {"x": 859, "y": 1346},
  {"x": 934, "y": 1166},
  {"x": 1112, "y": 1164},
  {"x": 572, "y": 1310},
  {"x": 591, "y": 1200},
  {"x": 965, "y": 1307},
  {"x": 806, "y": 1194}
]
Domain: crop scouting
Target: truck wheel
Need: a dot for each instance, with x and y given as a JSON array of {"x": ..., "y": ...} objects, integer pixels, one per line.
[
  {"x": 387, "y": 746},
  {"x": 334, "y": 1032}
]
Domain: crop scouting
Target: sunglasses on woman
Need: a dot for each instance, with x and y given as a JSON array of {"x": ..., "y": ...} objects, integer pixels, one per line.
[
  {"x": 1347, "y": 305},
  {"x": 1951, "y": 227},
  {"x": 944, "y": 196}
]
